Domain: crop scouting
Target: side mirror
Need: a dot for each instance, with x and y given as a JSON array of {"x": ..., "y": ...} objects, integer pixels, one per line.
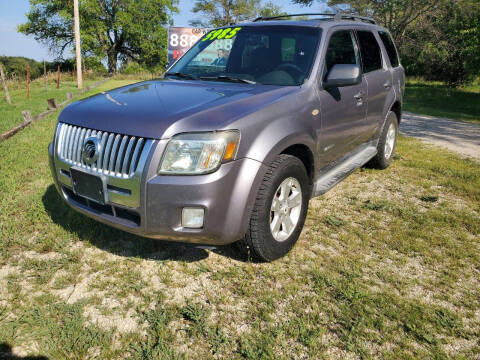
[{"x": 343, "y": 75}]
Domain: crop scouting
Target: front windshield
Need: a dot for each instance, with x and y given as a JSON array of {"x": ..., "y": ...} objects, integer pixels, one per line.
[{"x": 273, "y": 55}]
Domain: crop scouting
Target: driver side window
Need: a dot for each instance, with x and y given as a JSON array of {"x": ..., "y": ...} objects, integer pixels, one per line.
[{"x": 342, "y": 49}]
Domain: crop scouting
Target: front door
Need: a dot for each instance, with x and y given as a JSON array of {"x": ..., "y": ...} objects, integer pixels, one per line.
[{"x": 343, "y": 109}]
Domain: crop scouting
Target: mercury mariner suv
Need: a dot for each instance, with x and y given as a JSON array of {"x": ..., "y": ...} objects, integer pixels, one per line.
[{"x": 237, "y": 137}]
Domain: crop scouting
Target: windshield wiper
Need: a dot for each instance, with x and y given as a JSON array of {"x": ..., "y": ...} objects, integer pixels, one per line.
[
  {"x": 227, "y": 78},
  {"x": 182, "y": 75}
]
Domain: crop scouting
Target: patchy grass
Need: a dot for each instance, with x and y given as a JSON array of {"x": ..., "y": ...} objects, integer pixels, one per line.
[
  {"x": 388, "y": 266},
  {"x": 12, "y": 114},
  {"x": 437, "y": 99}
]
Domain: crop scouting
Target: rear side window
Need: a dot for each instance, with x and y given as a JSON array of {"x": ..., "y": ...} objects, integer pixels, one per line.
[
  {"x": 370, "y": 51},
  {"x": 341, "y": 50},
  {"x": 390, "y": 47}
]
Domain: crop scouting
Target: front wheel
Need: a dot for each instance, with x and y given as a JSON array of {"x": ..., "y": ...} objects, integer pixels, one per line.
[
  {"x": 386, "y": 144},
  {"x": 280, "y": 209}
]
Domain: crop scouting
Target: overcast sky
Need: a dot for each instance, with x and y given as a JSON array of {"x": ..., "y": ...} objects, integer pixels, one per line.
[{"x": 12, "y": 13}]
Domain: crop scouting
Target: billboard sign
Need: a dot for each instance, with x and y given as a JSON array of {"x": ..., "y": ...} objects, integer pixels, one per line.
[{"x": 180, "y": 39}]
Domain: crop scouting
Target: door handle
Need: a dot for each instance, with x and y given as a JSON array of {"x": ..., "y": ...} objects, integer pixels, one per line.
[
  {"x": 359, "y": 96},
  {"x": 387, "y": 85}
]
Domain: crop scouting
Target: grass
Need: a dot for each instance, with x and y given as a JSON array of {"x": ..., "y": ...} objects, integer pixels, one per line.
[
  {"x": 437, "y": 99},
  {"x": 12, "y": 114},
  {"x": 388, "y": 266}
]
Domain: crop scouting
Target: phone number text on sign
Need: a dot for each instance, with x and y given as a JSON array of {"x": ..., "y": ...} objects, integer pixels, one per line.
[{"x": 180, "y": 39}]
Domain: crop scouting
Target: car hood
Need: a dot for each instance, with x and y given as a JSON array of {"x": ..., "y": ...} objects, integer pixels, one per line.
[{"x": 161, "y": 108}]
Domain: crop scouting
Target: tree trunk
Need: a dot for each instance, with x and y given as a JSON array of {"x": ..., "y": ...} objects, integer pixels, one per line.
[{"x": 112, "y": 62}]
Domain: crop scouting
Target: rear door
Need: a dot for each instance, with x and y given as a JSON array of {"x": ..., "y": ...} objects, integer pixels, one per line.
[
  {"x": 378, "y": 80},
  {"x": 343, "y": 109},
  {"x": 398, "y": 73}
]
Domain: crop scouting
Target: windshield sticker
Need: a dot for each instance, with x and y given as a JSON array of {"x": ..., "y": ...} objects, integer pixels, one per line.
[{"x": 227, "y": 33}]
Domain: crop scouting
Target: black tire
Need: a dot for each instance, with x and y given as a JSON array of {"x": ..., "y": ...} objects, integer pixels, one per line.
[
  {"x": 259, "y": 242},
  {"x": 383, "y": 160}
]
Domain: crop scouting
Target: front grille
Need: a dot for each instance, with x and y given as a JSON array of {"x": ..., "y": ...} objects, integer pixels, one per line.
[{"x": 119, "y": 155}]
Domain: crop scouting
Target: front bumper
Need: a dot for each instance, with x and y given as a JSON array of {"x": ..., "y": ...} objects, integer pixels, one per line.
[{"x": 227, "y": 196}]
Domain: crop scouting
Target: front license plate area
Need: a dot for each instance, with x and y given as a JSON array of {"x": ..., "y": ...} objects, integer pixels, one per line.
[{"x": 89, "y": 186}]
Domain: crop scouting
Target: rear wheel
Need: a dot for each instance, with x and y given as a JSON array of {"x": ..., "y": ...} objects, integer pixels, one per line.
[
  {"x": 386, "y": 144},
  {"x": 279, "y": 211}
]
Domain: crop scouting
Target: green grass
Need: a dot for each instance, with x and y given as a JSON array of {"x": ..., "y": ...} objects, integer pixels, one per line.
[
  {"x": 386, "y": 267},
  {"x": 437, "y": 99},
  {"x": 12, "y": 114}
]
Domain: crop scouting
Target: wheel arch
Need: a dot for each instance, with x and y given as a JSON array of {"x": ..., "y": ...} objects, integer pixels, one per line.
[
  {"x": 305, "y": 155},
  {"x": 397, "y": 109},
  {"x": 299, "y": 145}
]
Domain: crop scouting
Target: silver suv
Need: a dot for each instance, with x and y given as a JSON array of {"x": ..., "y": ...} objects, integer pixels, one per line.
[{"x": 242, "y": 131}]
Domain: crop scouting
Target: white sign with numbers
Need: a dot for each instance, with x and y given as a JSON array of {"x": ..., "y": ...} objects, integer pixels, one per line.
[{"x": 180, "y": 39}]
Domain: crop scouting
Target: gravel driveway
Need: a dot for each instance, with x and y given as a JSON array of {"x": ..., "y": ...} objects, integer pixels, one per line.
[{"x": 458, "y": 136}]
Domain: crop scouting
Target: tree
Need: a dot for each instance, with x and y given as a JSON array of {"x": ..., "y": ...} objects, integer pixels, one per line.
[
  {"x": 115, "y": 29},
  {"x": 437, "y": 39},
  {"x": 396, "y": 15},
  {"x": 225, "y": 12},
  {"x": 451, "y": 50}
]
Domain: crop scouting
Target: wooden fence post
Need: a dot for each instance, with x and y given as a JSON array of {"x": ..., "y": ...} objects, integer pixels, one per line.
[
  {"x": 27, "y": 116},
  {"x": 58, "y": 76},
  {"x": 4, "y": 81},
  {"x": 44, "y": 75},
  {"x": 52, "y": 104},
  {"x": 28, "y": 81}
]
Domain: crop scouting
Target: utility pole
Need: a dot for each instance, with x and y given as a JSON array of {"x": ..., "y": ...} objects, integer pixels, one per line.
[{"x": 77, "y": 44}]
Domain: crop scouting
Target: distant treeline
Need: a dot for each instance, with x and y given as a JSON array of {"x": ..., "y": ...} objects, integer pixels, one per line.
[{"x": 15, "y": 67}]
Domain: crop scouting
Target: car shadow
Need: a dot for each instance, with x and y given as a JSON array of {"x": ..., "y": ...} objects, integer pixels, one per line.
[
  {"x": 6, "y": 353},
  {"x": 122, "y": 243}
]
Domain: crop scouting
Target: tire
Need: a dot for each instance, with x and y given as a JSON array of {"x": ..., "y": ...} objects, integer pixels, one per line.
[
  {"x": 260, "y": 242},
  {"x": 384, "y": 156}
]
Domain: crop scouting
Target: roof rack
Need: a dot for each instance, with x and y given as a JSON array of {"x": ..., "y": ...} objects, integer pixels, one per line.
[{"x": 338, "y": 16}]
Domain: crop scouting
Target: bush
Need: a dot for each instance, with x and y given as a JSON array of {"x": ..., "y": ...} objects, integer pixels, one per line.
[{"x": 132, "y": 68}]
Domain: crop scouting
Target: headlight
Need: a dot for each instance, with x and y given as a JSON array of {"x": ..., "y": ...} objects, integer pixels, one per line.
[{"x": 199, "y": 153}]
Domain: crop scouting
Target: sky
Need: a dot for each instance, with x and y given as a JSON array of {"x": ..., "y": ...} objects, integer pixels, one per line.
[{"x": 12, "y": 13}]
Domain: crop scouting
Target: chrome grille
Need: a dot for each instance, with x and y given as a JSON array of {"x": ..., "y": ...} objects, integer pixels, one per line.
[{"x": 120, "y": 155}]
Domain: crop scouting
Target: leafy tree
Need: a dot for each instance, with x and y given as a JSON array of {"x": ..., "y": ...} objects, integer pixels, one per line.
[
  {"x": 270, "y": 10},
  {"x": 451, "y": 50},
  {"x": 437, "y": 39},
  {"x": 225, "y": 12},
  {"x": 16, "y": 67},
  {"x": 119, "y": 29},
  {"x": 396, "y": 15}
]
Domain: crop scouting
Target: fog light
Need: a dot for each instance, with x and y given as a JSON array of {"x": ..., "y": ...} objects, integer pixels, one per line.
[{"x": 192, "y": 218}]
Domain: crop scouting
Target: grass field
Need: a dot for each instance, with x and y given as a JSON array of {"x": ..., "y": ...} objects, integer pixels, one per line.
[
  {"x": 388, "y": 266},
  {"x": 12, "y": 114},
  {"x": 437, "y": 99}
]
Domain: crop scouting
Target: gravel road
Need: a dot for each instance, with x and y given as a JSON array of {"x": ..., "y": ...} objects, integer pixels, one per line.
[{"x": 458, "y": 136}]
